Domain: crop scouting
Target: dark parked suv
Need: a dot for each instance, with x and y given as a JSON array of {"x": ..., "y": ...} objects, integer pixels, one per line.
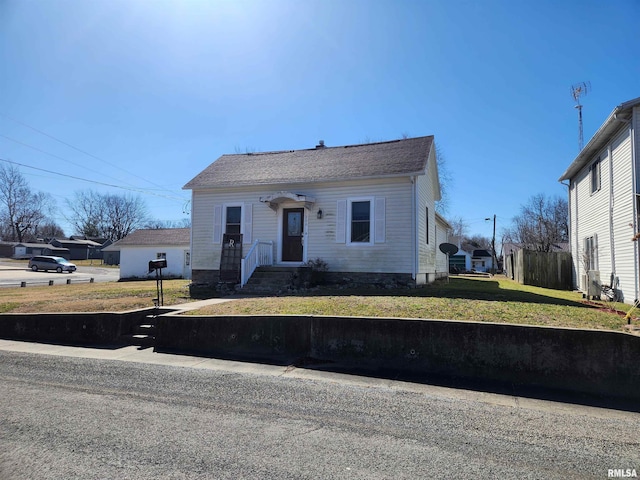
[{"x": 45, "y": 263}]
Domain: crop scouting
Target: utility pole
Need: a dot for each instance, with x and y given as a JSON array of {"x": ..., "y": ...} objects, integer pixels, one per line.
[{"x": 494, "y": 263}]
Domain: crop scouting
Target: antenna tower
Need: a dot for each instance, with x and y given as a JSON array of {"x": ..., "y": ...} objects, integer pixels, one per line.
[{"x": 580, "y": 90}]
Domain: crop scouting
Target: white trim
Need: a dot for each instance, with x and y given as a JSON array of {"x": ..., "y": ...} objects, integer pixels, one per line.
[{"x": 350, "y": 202}]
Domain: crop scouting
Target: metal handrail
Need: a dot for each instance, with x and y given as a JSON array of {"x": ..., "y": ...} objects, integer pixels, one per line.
[{"x": 260, "y": 254}]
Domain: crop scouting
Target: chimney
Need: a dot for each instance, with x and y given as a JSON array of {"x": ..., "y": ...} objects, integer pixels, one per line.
[{"x": 320, "y": 144}]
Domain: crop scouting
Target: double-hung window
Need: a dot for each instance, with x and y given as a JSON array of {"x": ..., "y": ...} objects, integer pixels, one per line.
[
  {"x": 360, "y": 221},
  {"x": 233, "y": 220}
]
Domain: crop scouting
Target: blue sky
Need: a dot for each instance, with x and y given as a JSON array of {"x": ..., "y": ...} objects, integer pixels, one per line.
[{"x": 151, "y": 92}]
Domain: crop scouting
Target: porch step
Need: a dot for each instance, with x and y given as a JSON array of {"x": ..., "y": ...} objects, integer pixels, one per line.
[{"x": 270, "y": 280}]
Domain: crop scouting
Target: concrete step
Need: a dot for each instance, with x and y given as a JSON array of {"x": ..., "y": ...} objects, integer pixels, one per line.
[
  {"x": 145, "y": 329},
  {"x": 140, "y": 340}
]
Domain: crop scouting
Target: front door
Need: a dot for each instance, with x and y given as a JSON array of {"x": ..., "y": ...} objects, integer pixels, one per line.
[{"x": 292, "y": 230}]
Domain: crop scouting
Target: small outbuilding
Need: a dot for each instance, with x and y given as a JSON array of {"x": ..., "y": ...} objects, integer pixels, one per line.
[{"x": 141, "y": 246}]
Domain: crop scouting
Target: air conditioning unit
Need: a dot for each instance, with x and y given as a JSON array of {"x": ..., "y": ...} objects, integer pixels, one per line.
[{"x": 594, "y": 286}]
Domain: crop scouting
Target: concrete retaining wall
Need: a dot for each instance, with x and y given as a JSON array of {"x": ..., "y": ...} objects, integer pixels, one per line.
[
  {"x": 586, "y": 361},
  {"x": 71, "y": 328}
]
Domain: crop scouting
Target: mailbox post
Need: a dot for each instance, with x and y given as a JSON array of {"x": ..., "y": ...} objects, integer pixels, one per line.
[{"x": 157, "y": 266}]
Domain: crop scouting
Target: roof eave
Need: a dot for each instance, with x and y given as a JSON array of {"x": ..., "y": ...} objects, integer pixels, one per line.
[{"x": 324, "y": 180}]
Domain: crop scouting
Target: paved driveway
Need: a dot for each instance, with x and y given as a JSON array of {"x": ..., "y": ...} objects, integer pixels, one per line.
[{"x": 13, "y": 274}]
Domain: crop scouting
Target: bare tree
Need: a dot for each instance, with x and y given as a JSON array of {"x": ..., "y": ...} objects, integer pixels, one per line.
[
  {"x": 21, "y": 209},
  {"x": 446, "y": 179},
  {"x": 474, "y": 242},
  {"x": 158, "y": 224},
  {"x": 542, "y": 222},
  {"x": 107, "y": 215},
  {"x": 50, "y": 230}
]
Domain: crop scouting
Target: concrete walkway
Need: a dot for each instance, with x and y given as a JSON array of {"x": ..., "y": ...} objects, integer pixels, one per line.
[{"x": 185, "y": 307}]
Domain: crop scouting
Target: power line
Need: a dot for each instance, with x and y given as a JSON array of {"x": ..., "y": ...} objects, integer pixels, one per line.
[
  {"x": 176, "y": 198},
  {"x": 47, "y": 153},
  {"x": 81, "y": 151}
]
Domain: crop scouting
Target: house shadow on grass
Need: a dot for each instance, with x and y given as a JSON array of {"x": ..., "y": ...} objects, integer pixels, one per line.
[{"x": 457, "y": 288}]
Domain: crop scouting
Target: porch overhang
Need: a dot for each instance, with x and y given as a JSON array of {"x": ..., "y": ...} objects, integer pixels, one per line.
[{"x": 274, "y": 200}]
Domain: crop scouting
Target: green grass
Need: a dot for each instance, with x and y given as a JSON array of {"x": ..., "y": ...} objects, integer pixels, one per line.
[
  {"x": 91, "y": 297},
  {"x": 494, "y": 299}
]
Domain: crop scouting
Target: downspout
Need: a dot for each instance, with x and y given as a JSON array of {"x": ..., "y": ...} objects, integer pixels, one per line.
[
  {"x": 612, "y": 245},
  {"x": 414, "y": 229},
  {"x": 634, "y": 159}
]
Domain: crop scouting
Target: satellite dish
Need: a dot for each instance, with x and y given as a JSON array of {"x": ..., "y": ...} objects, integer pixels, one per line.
[{"x": 448, "y": 248}]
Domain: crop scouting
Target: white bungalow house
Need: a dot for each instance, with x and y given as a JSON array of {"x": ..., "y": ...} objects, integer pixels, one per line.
[
  {"x": 141, "y": 246},
  {"x": 363, "y": 209},
  {"x": 481, "y": 260},
  {"x": 604, "y": 189}
]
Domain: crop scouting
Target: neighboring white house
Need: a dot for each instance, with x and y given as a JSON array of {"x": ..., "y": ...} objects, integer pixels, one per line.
[
  {"x": 481, "y": 261},
  {"x": 141, "y": 246},
  {"x": 460, "y": 262},
  {"x": 360, "y": 208},
  {"x": 604, "y": 188}
]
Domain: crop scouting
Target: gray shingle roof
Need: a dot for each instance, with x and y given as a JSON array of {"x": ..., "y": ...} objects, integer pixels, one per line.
[
  {"x": 372, "y": 160},
  {"x": 154, "y": 236}
]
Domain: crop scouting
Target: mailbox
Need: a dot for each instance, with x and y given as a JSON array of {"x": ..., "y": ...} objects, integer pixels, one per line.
[{"x": 156, "y": 264}]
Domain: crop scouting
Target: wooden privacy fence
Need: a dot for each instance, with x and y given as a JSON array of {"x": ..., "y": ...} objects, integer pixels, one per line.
[{"x": 540, "y": 269}]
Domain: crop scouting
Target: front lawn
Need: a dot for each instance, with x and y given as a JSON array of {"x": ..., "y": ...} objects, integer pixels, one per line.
[
  {"x": 91, "y": 297},
  {"x": 494, "y": 299}
]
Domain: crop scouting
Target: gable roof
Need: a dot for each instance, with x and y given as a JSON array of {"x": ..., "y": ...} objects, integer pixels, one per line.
[
  {"x": 76, "y": 242},
  {"x": 618, "y": 116},
  {"x": 372, "y": 160},
  {"x": 153, "y": 236}
]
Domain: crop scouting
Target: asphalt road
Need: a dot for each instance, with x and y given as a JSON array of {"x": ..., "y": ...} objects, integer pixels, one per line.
[
  {"x": 66, "y": 418},
  {"x": 12, "y": 275}
]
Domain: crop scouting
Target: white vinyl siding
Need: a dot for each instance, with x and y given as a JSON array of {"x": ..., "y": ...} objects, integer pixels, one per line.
[
  {"x": 623, "y": 216},
  {"x": 426, "y": 191},
  {"x": 134, "y": 261},
  {"x": 322, "y": 237},
  {"x": 604, "y": 217}
]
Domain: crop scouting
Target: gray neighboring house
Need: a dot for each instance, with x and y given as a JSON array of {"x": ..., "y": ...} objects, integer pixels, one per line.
[
  {"x": 28, "y": 250},
  {"x": 79, "y": 249},
  {"x": 141, "y": 246},
  {"x": 368, "y": 211}
]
